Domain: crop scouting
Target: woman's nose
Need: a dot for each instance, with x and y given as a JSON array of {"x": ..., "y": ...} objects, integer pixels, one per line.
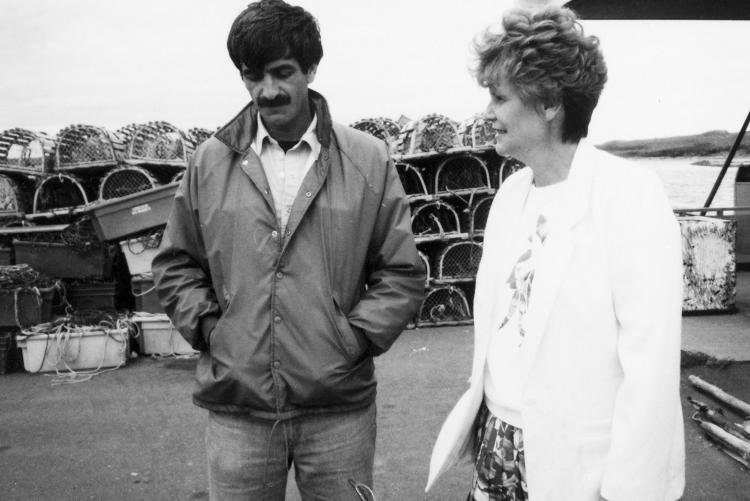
[{"x": 487, "y": 114}]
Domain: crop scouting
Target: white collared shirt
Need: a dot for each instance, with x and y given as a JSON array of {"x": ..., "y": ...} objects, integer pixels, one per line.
[{"x": 285, "y": 171}]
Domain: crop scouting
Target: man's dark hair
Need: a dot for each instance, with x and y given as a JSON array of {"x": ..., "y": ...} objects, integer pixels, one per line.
[{"x": 272, "y": 29}]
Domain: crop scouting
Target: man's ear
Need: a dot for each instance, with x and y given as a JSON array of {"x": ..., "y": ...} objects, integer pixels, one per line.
[{"x": 311, "y": 73}]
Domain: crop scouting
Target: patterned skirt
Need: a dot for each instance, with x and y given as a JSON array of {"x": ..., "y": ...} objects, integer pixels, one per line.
[{"x": 499, "y": 469}]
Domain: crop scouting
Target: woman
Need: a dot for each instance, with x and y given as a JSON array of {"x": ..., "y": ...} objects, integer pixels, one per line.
[{"x": 574, "y": 391}]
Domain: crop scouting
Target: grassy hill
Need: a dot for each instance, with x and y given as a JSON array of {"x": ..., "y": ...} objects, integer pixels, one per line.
[{"x": 715, "y": 142}]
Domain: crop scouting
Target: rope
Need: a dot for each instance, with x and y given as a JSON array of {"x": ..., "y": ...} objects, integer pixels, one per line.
[
  {"x": 19, "y": 274},
  {"x": 149, "y": 241},
  {"x": 64, "y": 330}
]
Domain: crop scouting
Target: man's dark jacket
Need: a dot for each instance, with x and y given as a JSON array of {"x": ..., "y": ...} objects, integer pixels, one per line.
[{"x": 300, "y": 315}]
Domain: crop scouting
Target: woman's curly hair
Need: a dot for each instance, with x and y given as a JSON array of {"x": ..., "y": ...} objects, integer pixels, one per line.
[{"x": 545, "y": 55}]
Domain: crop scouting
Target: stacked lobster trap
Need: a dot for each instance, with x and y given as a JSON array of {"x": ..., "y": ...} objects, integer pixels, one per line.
[
  {"x": 450, "y": 173},
  {"x": 85, "y": 208}
]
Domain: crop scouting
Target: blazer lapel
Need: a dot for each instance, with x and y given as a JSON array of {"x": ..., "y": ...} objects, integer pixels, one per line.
[
  {"x": 557, "y": 250},
  {"x": 501, "y": 248}
]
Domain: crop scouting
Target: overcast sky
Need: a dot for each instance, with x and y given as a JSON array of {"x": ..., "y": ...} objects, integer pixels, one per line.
[{"x": 111, "y": 63}]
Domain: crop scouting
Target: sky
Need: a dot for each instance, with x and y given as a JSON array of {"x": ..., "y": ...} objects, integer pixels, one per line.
[{"x": 112, "y": 63}]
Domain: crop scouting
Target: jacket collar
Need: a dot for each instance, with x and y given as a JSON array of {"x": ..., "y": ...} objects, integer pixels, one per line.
[{"x": 239, "y": 133}]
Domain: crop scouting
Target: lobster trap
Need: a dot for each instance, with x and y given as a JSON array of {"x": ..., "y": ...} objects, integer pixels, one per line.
[
  {"x": 412, "y": 180},
  {"x": 464, "y": 174},
  {"x": 87, "y": 146},
  {"x": 444, "y": 305},
  {"x": 197, "y": 135},
  {"x": 125, "y": 181},
  {"x": 478, "y": 132},
  {"x": 13, "y": 198},
  {"x": 508, "y": 167},
  {"x": 383, "y": 128},
  {"x": 435, "y": 221},
  {"x": 26, "y": 152},
  {"x": 459, "y": 262},
  {"x": 158, "y": 143},
  {"x": 479, "y": 214},
  {"x": 426, "y": 262},
  {"x": 431, "y": 133},
  {"x": 60, "y": 191}
]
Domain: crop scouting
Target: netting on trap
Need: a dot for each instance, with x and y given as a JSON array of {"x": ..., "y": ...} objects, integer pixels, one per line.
[
  {"x": 426, "y": 261},
  {"x": 198, "y": 134},
  {"x": 435, "y": 221},
  {"x": 479, "y": 214},
  {"x": 459, "y": 262},
  {"x": 158, "y": 143},
  {"x": 508, "y": 167},
  {"x": 411, "y": 179},
  {"x": 377, "y": 127},
  {"x": 477, "y": 132},
  {"x": 12, "y": 197},
  {"x": 26, "y": 152},
  {"x": 125, "y": 181},
  {"x": 60, "y": 191},
  {"x": 85, "y": 146},
  {"x": 464, "y": 174},
  {"x": 430, "y": 133},
  {"x": 444, "y": 305}
]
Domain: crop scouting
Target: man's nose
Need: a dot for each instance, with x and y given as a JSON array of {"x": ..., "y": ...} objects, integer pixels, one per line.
[{"x": 268, "y": 87}]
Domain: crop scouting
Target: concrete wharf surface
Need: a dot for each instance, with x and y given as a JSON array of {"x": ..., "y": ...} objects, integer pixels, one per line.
[
  {"x": 134, "y": 434},
  {"x": 722, "y": 336}
]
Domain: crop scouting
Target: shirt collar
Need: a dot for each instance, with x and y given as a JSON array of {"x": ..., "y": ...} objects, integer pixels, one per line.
[{"x": 309, "y": 137}]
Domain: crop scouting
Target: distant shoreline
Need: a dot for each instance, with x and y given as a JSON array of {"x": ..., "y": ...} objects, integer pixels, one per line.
[{"x": 710, "y": 148}]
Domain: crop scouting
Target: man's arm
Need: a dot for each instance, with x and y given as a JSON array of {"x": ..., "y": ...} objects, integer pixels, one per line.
[
  {"x": 395, "y": 273},
  {"x": 181, "y": 273}
]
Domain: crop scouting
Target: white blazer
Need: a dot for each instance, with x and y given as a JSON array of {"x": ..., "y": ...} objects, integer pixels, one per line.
[{"x": 600, "y": 408}]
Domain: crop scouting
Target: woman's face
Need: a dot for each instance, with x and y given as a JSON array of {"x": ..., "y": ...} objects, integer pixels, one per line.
[{"x": 519, "y": 126}]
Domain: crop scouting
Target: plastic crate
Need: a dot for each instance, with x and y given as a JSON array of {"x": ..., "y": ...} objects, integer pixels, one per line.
[
  {"x": 90, "y": 348},
  {"x": 92, "y": 296},
  {"x": 136, "y": 213},
  {"x": 26, "y": 306},
  {"x": 160, "y": 337},
  {"x": 146, "y": 298},
  {"x": 62, "y": 261}
]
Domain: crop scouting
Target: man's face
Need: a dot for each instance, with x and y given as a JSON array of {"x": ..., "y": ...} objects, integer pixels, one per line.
[{"x": 281, "y": 95}]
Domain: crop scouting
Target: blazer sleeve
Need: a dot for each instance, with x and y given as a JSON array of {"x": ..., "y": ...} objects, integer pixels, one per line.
[
  {"x": 395, "y": 272},
  {"x": 181, "y": 272},
  {"x": 644, "y": 244}
]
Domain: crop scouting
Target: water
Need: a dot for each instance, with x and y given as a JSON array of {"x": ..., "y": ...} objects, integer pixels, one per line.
[{"x": 689, "y": 185}]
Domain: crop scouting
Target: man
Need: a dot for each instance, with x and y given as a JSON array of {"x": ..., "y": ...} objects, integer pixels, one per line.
[{"x": 289, "y": 262}]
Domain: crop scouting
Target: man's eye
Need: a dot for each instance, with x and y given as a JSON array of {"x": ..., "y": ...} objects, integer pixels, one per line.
[{"x": 253, "y": 77}]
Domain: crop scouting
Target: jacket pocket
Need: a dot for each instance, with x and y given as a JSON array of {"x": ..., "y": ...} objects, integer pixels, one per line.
[{"x": 352, "y": 340}]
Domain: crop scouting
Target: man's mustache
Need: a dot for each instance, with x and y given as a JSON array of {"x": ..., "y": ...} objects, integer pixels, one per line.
[{"x": 280, "y": 100}]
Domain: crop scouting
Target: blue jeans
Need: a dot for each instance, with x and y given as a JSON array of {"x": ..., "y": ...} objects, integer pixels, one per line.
[{"x": 249, "y": 458}]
